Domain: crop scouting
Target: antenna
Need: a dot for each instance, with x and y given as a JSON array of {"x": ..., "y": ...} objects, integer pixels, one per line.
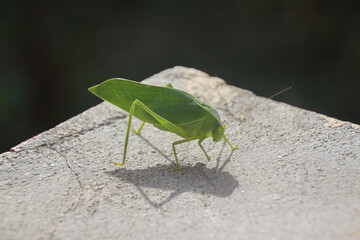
[
  {"x": 279, "y": 93},
  {"x": 250, "y": 108}
]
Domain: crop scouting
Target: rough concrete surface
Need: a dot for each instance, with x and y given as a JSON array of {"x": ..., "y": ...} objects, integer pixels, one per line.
[{"x": 295, "y": 175}]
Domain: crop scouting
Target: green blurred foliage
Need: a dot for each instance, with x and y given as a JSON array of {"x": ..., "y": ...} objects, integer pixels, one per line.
[{"x": 52, "y": 51}]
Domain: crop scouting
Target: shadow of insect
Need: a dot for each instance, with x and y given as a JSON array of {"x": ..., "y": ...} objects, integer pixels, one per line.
[{"x": 198, "y": 179}]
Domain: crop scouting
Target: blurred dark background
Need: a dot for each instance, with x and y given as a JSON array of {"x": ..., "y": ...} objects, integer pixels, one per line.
[{"x": 52, "y": 51}]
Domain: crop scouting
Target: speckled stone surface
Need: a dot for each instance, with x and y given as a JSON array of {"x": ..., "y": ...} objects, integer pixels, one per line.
[{"x": 295, "y": 175}]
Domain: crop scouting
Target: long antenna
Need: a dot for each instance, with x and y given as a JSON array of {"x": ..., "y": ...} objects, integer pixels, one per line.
[
  {"x": 250, "y": 108},
  {"x": 279, "y": 93}
]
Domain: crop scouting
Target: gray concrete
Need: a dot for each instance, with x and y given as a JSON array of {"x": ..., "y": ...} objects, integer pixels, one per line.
[{"x": 295, "y": 175}]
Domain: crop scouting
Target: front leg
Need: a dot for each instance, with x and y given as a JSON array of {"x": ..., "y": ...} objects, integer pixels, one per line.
[{"x": 233, "y": 148}]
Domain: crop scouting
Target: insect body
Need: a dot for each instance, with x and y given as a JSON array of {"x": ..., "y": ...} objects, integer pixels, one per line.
[{"x": 166, "y": 108}]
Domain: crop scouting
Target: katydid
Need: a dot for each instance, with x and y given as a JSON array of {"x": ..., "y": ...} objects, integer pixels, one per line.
[{"x": 166, "y": 108}]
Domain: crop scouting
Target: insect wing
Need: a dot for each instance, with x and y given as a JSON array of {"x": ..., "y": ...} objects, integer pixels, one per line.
[{"x": 172, "y": 104}]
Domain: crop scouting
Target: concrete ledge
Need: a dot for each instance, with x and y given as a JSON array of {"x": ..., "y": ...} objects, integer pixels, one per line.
[{"x": 296, "y": 175}]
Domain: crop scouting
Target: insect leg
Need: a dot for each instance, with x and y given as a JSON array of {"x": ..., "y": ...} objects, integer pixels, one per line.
[
  {"x": 172, "y": 127},
  {"x": 169, "y": 85},
  {"x": 138, "y": 131},
  {"x": 173, "y": 146},
  {"x": 224, "y": 136},
  {"x": 166, "y": 123},
  {"x": 131, "y": 113},
  {"x": 202, "y": 148}
]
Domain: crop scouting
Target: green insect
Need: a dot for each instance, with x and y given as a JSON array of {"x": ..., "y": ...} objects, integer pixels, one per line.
[{"x": 166, "y": 108}]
